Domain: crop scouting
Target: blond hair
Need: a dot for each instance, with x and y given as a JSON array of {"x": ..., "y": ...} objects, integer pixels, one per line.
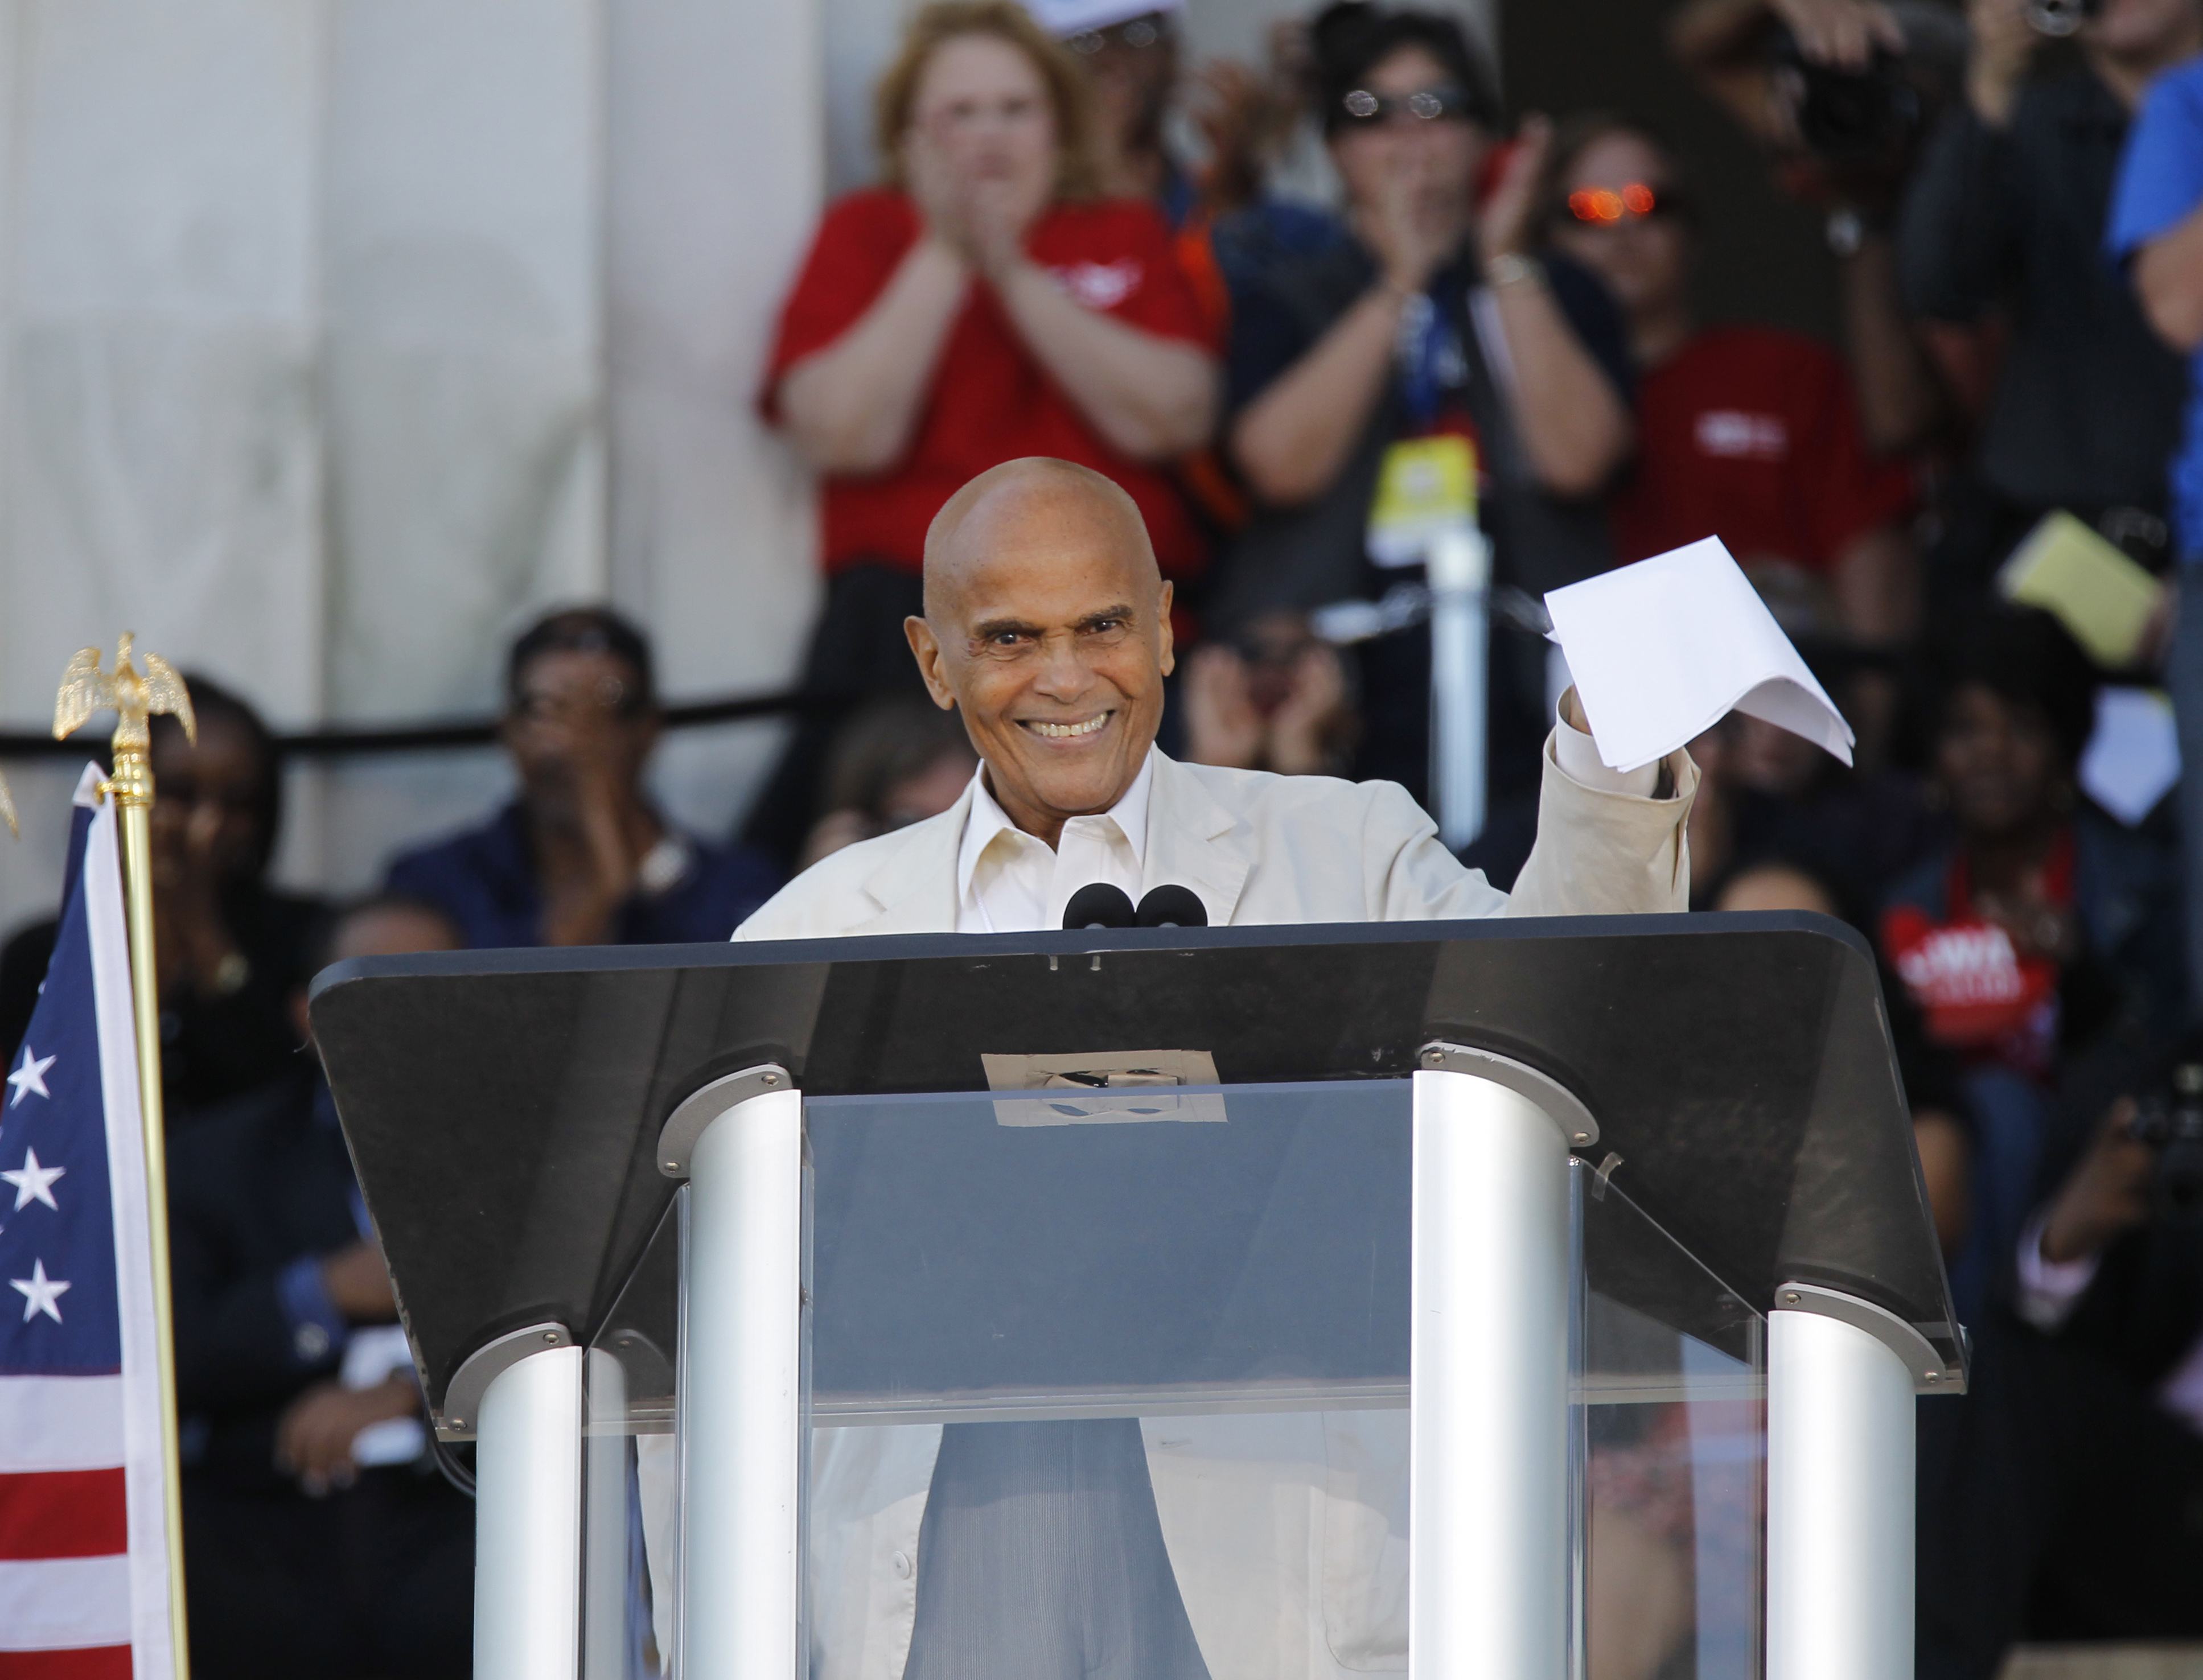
[{"x": 934, "y": 27}]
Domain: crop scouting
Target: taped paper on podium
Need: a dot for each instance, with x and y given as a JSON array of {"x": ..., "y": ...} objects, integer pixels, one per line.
[{"x": 1663, "y": 650}]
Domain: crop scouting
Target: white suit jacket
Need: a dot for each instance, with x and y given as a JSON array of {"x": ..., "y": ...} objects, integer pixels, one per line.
[
  {"x": 1264, "y": 849},
  {"x": 1288, "y": 1533}
]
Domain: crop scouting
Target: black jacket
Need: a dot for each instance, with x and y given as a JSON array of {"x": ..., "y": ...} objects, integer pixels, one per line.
[
  {"x": 253, "y": 1186},
  {"x": 2087, "y": 408}
]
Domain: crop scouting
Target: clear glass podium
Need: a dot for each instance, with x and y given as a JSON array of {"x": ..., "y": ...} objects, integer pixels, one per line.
[{"x": 1492, "y": 1300}]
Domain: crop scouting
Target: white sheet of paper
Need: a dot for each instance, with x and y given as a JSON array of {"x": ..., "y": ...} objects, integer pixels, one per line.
[
  {"x": 1663, "y": 650},
  {"x": 2133, "y": 758}
]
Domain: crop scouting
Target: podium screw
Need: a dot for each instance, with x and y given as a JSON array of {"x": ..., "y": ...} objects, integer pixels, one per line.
[{"x": 1790, "y": 1298}]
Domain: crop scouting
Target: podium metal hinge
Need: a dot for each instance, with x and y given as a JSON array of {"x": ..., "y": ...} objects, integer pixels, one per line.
[
  {"x": 1930, "y": 1375},
  {"x": 677, "y": 1138},
  {"x": 456, "y": 1419},
  {"x": 1562, "y": 1105}
]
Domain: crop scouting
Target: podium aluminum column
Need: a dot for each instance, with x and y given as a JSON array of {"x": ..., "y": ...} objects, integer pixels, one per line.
[
  {"x": 740, "y": 1143},
  {"x": 1489, "y": 1577},
  {"x": 1842, "y": 1375},
  {"x": 528, "y": 1507}
]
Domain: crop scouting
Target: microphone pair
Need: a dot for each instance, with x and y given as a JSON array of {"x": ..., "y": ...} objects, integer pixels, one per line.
[{"x": 1102, "y": 905}]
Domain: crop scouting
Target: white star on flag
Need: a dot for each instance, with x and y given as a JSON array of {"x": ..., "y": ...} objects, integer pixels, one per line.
[
  {"x": 34, "y": 1184},
  {"x": 30, "y": 1074},
  {"x": 39, "y": 1292}
]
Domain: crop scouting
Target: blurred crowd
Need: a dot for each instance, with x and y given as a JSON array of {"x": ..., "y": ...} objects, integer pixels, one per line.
[{"x": 1278, "y": 305}]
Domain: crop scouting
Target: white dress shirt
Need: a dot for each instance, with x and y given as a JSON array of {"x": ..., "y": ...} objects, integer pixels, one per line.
[{"x": 1008, "y": 882}]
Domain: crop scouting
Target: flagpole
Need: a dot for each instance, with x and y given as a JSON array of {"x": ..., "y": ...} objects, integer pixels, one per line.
[{"x": 134, "y": 699}]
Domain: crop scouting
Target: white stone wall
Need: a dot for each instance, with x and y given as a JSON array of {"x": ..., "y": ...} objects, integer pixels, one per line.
[{"x": 333, "y": 331}]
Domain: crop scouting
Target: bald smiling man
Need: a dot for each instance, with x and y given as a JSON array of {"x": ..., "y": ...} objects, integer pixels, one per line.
[
  {"x": 1046, "y": 625},
  {"x": 1266, "y": 1547}
]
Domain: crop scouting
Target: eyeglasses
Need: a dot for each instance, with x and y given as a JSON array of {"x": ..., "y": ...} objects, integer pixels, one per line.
[
  {"x": 1602, "y": 206},
  {"x": 1139, "y": 32},
  {"x": 607, "y": 697},
  {"x": 1365, "y": 109}
]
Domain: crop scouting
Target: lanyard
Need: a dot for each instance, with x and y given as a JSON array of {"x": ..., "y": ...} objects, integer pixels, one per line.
[{"x": 1429, "y": 356}]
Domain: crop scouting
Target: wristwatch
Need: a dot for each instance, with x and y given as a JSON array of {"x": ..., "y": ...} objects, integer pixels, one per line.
[
  {"x": 1511, "y": 268},
  {"x": 231, "y": 973}
]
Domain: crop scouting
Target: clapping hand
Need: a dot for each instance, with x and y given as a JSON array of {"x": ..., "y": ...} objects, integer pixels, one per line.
[
  {"x": 1842, "y": 34},
  {"x": 1504, "y": 227},
  {"x": 315, "y": 1436},
  {"x": 2004, "y": 44},
  {"x": 1286, "y": 717},
  {"x": 1223, "y": 725},
  {"x": 983, "y": 218},
  {"x": 1304, "y": 728}
]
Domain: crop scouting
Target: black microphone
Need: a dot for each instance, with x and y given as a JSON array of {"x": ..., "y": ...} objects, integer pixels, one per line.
[
  {"x": 1098, "y": 905},
  {"x": 1171, "y": 907}
]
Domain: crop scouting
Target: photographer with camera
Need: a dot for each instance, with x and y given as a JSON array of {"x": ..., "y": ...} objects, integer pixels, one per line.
[
  {"x": 1839, "y": 95},
  {"x": 2074, "y": 1510},
  {"x": 2005, "y": 215}
]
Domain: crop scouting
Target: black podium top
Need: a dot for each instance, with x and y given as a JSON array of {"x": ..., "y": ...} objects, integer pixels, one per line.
[{"x": 503, "y": 1108}]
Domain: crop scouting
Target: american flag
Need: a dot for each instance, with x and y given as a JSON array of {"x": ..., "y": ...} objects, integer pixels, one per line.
[{"x": 83, "y": 1545}]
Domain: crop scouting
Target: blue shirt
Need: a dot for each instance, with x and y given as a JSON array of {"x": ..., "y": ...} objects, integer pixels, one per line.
[
  {"x": 2161, "y": 183},
  {"x": 485, "y": 881}
]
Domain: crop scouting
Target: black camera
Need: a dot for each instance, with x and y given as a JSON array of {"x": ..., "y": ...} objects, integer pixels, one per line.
[
  {"x": 1867, "y": 118},
  {"x": 1866, "y": 125},
  {"x": 2171, "y": 1121}
]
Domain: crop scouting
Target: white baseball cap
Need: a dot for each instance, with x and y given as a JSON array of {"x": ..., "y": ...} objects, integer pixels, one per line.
[{"x": 1065, "y": 18}]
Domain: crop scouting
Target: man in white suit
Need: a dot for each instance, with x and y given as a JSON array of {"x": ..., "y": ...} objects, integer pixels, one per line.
[
  {"x": 1204, "y": 1548},
  {"x": 1048, "y": 626}
]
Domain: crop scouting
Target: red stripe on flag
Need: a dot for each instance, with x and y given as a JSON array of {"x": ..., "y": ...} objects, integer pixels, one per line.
[
  {"x": 63, "y": 1513},
  {"x": 101, "y": 1662}
]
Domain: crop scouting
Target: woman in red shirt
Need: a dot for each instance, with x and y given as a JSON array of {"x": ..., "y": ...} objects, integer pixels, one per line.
[{"x": 978, "y": 306}]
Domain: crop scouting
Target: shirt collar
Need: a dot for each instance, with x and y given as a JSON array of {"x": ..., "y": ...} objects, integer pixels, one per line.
[{"x": 987, "y": 819}]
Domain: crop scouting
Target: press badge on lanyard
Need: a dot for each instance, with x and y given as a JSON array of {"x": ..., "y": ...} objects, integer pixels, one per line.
[{"x": 1426, "y": 484}]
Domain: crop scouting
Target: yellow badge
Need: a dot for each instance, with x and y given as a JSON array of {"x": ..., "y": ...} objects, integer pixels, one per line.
[{"x": 1426, "y": 485}]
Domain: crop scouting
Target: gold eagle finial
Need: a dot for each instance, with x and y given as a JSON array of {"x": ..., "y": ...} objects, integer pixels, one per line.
[{"x": 135, "y": 699}]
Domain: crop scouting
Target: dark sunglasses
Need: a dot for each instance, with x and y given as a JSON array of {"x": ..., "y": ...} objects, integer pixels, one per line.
[
  {"x": 1365, "y": 109},
  {"x": 1602, "y": 206}
]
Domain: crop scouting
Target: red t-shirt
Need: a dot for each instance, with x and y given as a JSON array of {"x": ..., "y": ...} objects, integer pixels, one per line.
[
  {"x": 1753, "y": 435},
  {"x": 1976, "y": 994},
  {"x": 990, "y": 401}
]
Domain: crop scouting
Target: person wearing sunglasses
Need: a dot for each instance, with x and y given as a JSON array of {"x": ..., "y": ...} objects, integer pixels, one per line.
[
  {"x": 1424, "y": 324},
  {"x": 1744, "y": 433}
]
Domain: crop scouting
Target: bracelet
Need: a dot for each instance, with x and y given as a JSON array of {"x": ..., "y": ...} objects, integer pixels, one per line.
[{"x": 1512, "y": 269}]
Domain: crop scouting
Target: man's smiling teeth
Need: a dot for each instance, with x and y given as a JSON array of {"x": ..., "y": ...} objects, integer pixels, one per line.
[{"x": 1066, "y": 731}]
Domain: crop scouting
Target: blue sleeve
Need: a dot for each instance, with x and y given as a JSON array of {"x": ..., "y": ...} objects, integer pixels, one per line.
[
  {"x": 317, "y": 1328},
  {"x": 2161, "y": 176}
]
